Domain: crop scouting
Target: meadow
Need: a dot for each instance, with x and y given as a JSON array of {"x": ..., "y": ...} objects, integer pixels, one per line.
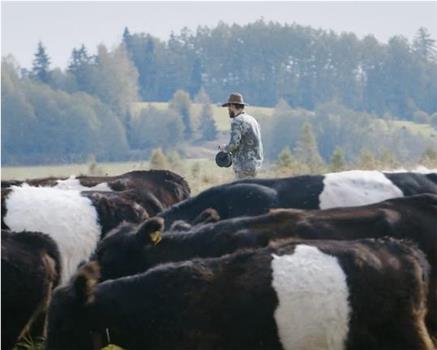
[{"x": 222, "y": 119}]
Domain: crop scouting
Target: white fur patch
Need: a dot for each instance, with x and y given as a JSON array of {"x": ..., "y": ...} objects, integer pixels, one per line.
[
  {"x": 70, "y": 219},
  {"x": 74, "y": 184},
  {"x": 420, "y": 169},
  {"x": 313, "y": 311},
  {"x": 355, "y": 188},
  {"x": 424, "y": 170}
]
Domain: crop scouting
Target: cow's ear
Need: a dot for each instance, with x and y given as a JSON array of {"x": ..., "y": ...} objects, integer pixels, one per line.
[
  {"x": 150, "y": 231},
  {"x": 207, "y": 216},
  {"x": 85, "y": 282}
]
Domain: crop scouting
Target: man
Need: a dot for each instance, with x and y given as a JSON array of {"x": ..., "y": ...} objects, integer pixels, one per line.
[{"x": 245, "y": 144}]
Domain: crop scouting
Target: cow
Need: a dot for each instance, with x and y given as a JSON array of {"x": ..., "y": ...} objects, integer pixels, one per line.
[
  {"x": 164, "y": 186},
  {"x": 252, "y": 197},
  {"x": 75, "y": 221},
  {"x": 205, "y": 217},
  {"x": 31, "y": 268},
  {"x": 130, "y": 249},
  {"x": 143, "y": 197},
  {"x": 363, "y": 294}
]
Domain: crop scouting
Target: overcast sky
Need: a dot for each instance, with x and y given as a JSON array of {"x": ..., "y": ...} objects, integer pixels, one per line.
[{"x": 64, "y": 25}]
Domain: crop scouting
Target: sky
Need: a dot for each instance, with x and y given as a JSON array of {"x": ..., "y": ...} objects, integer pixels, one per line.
[{"x": 61, "y": 26}]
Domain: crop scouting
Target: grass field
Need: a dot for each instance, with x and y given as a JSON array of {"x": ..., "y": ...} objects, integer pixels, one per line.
[
  {"x": 29, "y": 172},
  {"x": 424, "y": 130},
  {"x": 220, "y": 114},
  {"x": 222, "y": 119}
]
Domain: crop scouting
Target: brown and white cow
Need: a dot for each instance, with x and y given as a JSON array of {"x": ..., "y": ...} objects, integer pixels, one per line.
[
  {"x": 31, "y": 268},
  {"x": 368, "y": 294}
]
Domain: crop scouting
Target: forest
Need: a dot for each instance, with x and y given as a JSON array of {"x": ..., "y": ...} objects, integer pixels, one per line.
[{"x": 332, "y": 96}]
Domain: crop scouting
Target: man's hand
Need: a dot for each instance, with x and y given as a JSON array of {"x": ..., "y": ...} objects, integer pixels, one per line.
[{"x": 222, "y": 147}]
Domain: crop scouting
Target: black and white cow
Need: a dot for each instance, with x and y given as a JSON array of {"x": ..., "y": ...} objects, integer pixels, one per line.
[
  {"x": 75, "y": 221},
  {"x": 130, "y": 249},
  {"x": 31, "y": 268},
  {"x": 149, "y": 186},
  {"x": 344, "y": 189},
  {"x": 368, "y": 294}
]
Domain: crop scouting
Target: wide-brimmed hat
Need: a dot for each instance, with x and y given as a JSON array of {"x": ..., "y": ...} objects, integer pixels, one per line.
[
  {"x": 223, "y": 159},
  {"x": 234, "y": 98}
]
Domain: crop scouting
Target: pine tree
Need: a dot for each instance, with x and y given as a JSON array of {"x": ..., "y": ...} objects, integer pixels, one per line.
[
  {"x": 196, "y": 78},
  {"x": 80, "y": 67},
  {"x": 424, "y": 45},
  {"x": 126, "y": 37},
  {"x": 307, "y": 150},
  {"x": 158, "y": 160},
  {"x": 285, "y": 159},
  {"x": 337, "y": 162},
  {"x": 366, "y": 160},
  {"x": 41, "y": 63},
  {"x": 79, "y": 57},
  {"x": 208, "y": 128},
  {"x": 181, "y": 103}
]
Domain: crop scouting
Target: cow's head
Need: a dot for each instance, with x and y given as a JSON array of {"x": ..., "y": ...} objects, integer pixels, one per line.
[
  {"x": 70, "y": 322},
  {"x": 129, "y": 249}
]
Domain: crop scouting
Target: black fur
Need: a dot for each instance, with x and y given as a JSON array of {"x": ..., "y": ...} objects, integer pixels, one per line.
[
  {"x": 30, "y": 270},
  {"x": 257, "y": 196},
  {"x": 128, "y": 250},
  {"x": 229, "y": 302}
]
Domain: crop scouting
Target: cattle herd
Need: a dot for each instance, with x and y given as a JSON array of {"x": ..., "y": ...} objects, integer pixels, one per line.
[{"x": 343, "y": 260}]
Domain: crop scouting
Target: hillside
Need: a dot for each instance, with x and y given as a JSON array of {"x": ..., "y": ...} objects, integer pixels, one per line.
[
  {"x": 222, "y": 119},
  {"x": 220, "y": 114}
]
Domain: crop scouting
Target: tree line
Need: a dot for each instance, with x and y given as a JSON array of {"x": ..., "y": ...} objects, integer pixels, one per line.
[
  {"x": 302, "y": 65},
  {"x": 338, "y": 90},
  {"x": 42, "y": 123}
]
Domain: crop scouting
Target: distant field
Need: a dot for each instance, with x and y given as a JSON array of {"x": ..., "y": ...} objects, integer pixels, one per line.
[
  {"x": 222, "y": 119},
  {"x": 110, "y": 168},
  {"x": 425, "y": 130},
  {"x": 28, "y": 172},
  {"x": 220, "y": 114}
]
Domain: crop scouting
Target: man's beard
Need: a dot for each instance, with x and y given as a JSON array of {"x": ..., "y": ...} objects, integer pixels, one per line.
[{"x": 231, "y": 114}]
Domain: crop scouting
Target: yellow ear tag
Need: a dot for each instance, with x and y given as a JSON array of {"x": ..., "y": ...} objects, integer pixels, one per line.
[
  {"x": 112, "y": 347},
  {"x": 155, "y": 237}
]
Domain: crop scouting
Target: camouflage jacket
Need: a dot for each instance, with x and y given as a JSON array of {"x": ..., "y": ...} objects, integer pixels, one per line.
[{"x": 245, "y": 143}]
